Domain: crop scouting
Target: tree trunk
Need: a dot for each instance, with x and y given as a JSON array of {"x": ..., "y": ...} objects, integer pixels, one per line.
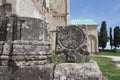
[
  {"x": 115, "y": 49},
  {"x": 111, "y": 48}
]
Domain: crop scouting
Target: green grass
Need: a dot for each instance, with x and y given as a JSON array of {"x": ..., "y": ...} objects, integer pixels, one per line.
[
  {"x": 108, "y": 68},
  {"x": 55, "y": 59},
  {"x": 109, "y": 53}
]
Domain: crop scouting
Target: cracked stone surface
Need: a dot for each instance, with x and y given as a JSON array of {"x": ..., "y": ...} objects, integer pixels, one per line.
[
  {"x": 64, "y": 71},
  {"x": 74, "y": 71}
]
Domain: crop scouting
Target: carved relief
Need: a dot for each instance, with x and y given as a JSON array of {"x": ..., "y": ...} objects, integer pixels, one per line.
[
  {"x": 72, "y": 42},
  {"x": 70, "y": 37}
]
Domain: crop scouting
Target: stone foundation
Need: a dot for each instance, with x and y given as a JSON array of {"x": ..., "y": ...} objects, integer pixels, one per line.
[{"x": 64, "y": 71}]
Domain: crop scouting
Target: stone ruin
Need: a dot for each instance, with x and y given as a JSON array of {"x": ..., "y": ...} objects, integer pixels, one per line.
[
  {"x": 72, "y": 43},
  {"x": 24, "y": 41},
  {"x": 25, "y": 51}
]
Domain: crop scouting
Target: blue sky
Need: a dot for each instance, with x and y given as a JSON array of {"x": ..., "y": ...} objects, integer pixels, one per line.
[{"x": 99, "y": 10}]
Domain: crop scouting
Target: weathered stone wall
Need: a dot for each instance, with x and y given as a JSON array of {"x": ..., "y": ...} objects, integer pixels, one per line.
[
  {"x": 2, "y": 13},
  {"x": 1, "y": 2},
  {"x": 24, "y": 41},
  {"x": 55, "y": 12},
  {"x": 24, "y": 28},
  {"x": 26, "y": 8},
  {"x": 60, "y": 13},
  {"x": 49, "y": 10},
  {"x": 64, "y": 71}
]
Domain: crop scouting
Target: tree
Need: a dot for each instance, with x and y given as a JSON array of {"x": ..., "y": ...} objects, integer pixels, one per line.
[
  {"x": 99, "y": 39},
  {"x": 103, "y": 35},
  {"x": 111, "y": 39},
  {"x": 116, "y": 37}
]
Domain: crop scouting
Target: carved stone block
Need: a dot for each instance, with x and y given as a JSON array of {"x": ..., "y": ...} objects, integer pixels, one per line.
[{"x": 72, "y": 43}]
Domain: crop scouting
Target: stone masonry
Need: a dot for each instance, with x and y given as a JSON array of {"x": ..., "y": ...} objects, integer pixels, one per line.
[
  {"x": 55, "y": 12},
  {"x": 72, "y": 43},
  {"x": 24, "y": 41},
  {"x": 64, "y": 71}
]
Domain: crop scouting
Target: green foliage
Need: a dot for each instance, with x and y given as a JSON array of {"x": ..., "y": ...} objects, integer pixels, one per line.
[
  {"x": 79, "y": 61},
  {"x": 108, "y": 68},
  {"x": 103, "y": 37},
  {"x": 116, "y": 36},
  {"x": 55, "y": 59},
  {"x": 111, "y": 39},
  {"x": 99, "y": 39}
]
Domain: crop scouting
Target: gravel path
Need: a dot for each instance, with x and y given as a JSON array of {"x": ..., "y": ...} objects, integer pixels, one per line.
[{"x": 115, "y": 59}]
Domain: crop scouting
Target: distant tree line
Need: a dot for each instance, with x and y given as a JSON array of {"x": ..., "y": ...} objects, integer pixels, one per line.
[
  {"x": 113, "y": 37},
  {"x": 116, "y": 37},
  {"x": 103, "y": 36}
]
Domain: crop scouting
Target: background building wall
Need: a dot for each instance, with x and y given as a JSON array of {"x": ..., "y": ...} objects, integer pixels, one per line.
[
  {"x": 24, "y": 10},
  {"x": 93, "y": 38},
  {"x": 59, "y": 13},
  {"x": 58, "y": 16},
  {"x": 56, "y": 12}
]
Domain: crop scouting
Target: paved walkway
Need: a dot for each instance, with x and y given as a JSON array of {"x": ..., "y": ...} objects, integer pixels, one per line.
[{"x": 115, "y": 59}]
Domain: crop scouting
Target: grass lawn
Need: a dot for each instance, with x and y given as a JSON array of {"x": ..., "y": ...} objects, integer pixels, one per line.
[
  {"x": 108, "y": 68},
  {"x": 109, "y": 53}
]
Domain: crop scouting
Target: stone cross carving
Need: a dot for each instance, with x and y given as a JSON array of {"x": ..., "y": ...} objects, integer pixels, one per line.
[{"x": 72, "y": 43}]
